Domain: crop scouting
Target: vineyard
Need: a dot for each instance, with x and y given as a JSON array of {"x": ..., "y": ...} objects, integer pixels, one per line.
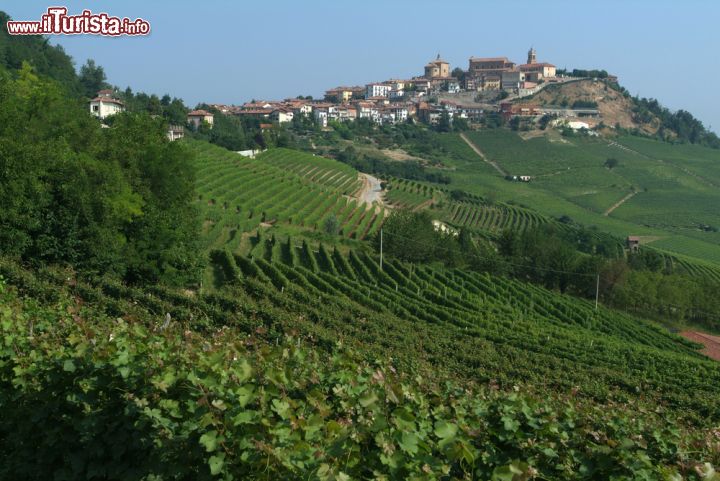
[
  {"x": 409, "y": 194},
  {"x": 690, "y": 265},
  {"x": 477, "y": 213},
  {"x": 677, "y": 186},
  {"x": 95, "y": 396},
  {"x": 486, "y": 321},
  {"x": 280, "y": 187},
  {"x": 493, "y": 218},
  {"x": 465, "y": 325},
  {"x": 477, "y": 329}
]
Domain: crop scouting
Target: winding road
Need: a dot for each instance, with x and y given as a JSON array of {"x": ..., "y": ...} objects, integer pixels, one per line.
[{"x": 371, "y": 190}]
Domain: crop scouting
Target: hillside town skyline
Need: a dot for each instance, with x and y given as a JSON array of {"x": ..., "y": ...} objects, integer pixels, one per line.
[
  {"x": 185, "y": 65},
  {"x": 487, "y": 86}
]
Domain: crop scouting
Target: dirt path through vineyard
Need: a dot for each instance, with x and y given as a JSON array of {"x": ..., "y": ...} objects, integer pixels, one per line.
[{"x": 711, "y": 343}]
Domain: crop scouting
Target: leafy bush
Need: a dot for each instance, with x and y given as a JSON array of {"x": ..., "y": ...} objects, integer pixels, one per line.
[{"x": 91, "y": 398}]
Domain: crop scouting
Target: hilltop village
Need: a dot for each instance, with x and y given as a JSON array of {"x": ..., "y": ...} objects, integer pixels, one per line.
[
  {"x": 492, "y": 89},
  {"x": 489, "y": 86}
]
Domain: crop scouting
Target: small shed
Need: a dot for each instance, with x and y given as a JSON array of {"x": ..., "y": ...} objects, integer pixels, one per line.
[{"x": 633, "y": 243}]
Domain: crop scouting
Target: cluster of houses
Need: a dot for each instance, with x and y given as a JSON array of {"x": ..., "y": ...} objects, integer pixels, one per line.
[
  {"x": 492, "y": 73},
  {"x": 397, "y": 100},
  {"x": 105, "y": 104},
  {"x": 344, "y": 104}
]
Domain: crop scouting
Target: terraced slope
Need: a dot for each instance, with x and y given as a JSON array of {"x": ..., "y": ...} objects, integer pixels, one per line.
[
  {"x": 480, "y": 327},
  {"x": 280, "y": 187},
  {"x": 213, "y": 391},
  {"x": 671, "y": 192}
]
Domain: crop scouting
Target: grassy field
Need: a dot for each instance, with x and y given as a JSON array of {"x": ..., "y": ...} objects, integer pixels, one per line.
[{"x": 676, "y": 188}]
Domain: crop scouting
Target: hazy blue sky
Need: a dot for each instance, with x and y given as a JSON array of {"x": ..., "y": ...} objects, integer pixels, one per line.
[{"x": 232, "y": 51}]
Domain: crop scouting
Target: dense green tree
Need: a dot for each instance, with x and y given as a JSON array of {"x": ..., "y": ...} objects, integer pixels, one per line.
[
  {"x": 163, "y": 240},
  {"x": 331, "y": 225},
  {"x": 444, "y": 123},
  {"x": 228, "y": 132},
  {"x": 460, "y": 124},
  {"x": 611, "y": 163},
  {"x": 114, "y": 201},
  {"x": 411, "y": 236},
  {"x": 458, "y": 73},
  {"x": 544, "y": 121},
  {"x": 92, "y": 79},
  {"x": 47, "y": 60}
]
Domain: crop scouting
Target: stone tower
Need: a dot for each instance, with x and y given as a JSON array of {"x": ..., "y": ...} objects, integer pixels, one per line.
[{"x": 532, "y": 56}]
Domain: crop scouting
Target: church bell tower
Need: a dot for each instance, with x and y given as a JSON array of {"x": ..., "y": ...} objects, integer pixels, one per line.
[{"x": 532, "y": 56}]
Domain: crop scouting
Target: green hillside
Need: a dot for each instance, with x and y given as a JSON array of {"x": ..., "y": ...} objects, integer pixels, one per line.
[
  {"x": 281, "y": 188},
  {"x": 177, "y": 311},
  {"x": 205, "y": 396},
  {"x": 673, "y": 194}
]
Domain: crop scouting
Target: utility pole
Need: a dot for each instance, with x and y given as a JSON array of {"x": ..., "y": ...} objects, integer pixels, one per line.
[
  {"x": 381, "y": 248},
  {"x": 597, "y": 291}
]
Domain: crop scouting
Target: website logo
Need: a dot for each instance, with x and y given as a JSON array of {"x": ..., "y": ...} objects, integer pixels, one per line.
[{"x": 57, "y": 22}]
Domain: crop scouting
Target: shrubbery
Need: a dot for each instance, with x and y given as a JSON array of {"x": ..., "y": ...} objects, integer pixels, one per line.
[{"x": 92, "y": 398}]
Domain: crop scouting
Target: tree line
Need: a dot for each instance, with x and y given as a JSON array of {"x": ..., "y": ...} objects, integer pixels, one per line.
[
  {"x": 569, "y": 260},
  {"x": 112, "y": 201},
  {"x": 679, "y": 126}
]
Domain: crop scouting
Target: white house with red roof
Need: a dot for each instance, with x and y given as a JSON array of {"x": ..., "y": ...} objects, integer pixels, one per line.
[
  {"x": 197, "y": 117},
  {"x": 282, "y": 115},
  {"x": 105, "y": 105}
]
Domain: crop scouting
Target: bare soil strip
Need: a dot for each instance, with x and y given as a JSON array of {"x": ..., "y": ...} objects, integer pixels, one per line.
[
  {"x": 711, "y": 343},
  {"x": 371, "y": 190},
  {"x": 619, "y": 203},
  {"x": 482, "y": 156}
]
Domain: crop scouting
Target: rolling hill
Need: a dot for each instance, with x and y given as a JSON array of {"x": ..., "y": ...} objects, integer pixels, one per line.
[
  {"x": 215, "y": 390},
  {"x": 280, "y": 188},
  {"x": 664, "y": 192}
]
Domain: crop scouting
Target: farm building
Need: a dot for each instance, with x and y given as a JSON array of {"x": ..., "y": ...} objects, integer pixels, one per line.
[{"x": 633, "y": 243}]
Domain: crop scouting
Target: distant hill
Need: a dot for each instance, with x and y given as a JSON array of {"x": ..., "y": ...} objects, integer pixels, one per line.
[{"x": 618, "y": 109}]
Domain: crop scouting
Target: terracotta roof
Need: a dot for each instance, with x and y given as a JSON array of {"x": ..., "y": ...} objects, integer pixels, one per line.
[
  {"x": 542, "y": 64},
  {"x": 254, "y": 112},
  {"x": 107, "y": 100},
  {"x": 261, "y": 104},
  {"x": 198, "y": 113},
  {"x": 105, "y": 92},
  {"x": 490, "y": 59}
]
